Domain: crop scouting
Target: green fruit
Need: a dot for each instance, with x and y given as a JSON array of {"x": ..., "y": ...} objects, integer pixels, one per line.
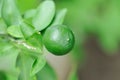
[{"x": 58, "y": 39}]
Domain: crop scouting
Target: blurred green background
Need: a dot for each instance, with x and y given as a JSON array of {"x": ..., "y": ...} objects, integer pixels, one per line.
[{"x": 96, "y": 26}]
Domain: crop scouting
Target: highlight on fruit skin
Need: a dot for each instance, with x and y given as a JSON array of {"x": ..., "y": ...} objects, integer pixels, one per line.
[{"x": 58, "y": 39}]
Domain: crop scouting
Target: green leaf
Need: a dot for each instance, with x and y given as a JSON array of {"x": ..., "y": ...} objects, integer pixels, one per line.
[
  {"x": 8, "y": 57},
  {"x": 44, "y": 15},
  {"x": 5, "y": 46},
  {"x": 29, "y": 14},
  {"x": 10, "y": 13},
  {"x": 15, "y": 31},
  {"x": 47, "y": 73},
  {"x": 25, "y": 65},
  {"x": 31, "y": 59},
  {"x": 8, "y": 62},
  {"x": 27, "y": 29},
  {"x": 3, "y": 27},
  {"x": 38, "y": 65},
  {"x": 30, "y": 50},
  {"x": 11, "y": 76},
  {"x": 59, "y": 17},
  {"x": 36, "y": 41}
]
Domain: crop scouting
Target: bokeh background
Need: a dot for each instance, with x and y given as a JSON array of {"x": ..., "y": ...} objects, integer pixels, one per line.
[{"x": 96, "y": 25}]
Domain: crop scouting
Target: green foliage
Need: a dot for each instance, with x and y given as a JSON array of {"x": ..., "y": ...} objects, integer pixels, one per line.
[
  {"x": 10, "y": 12},
  {"x": 3, "y": 27},
  {"x": 14, "y": 31},
  {"x": 44, "y": 15},
  {"x": 21, "y": 43},
  {"x": 47, "y": 73},
  {"x": 8, "y": 58},
  {"x": 59, "y": 17},
  {"x": 27, "y": 29},
  {"x": 25, "y": 64}
]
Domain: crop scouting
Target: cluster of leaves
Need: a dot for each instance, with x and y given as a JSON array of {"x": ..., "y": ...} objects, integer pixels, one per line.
[{"x": 21, "y": 46}]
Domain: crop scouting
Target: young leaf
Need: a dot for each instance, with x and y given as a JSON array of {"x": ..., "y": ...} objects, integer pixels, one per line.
[
  {"x": 10, "y": 13},
  {"x": 15, "y": 31},
  {"x": 44, "y": 15},
  {"x": 7, "y": 62},
  {"x": 25, "y": 65},
  {"x": 59, "y": 17},
  {"x": 5, "y": 47},
  {"x": 29, "y": 62},
  {"x": 47, "y": 73},
  {"x": 27, "y": 29},
  {"x": 3, "y": 27},
  {"x": 11, "y": 76},
  {"x": 28, "y": 15},
  {"x": 38, "y": 65},
  {"x": 36, "y": 41},
  {"x": 30, "y": 50},
  {"x": 7, "y": 57},
  {"x": 32, "y": 57}
]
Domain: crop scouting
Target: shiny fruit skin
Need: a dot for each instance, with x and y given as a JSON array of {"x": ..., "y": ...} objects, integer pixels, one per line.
[{"x": 58, "y": 39}]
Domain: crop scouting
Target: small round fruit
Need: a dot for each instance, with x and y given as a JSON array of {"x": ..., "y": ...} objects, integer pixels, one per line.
[{"x": 58, "y": 39}]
